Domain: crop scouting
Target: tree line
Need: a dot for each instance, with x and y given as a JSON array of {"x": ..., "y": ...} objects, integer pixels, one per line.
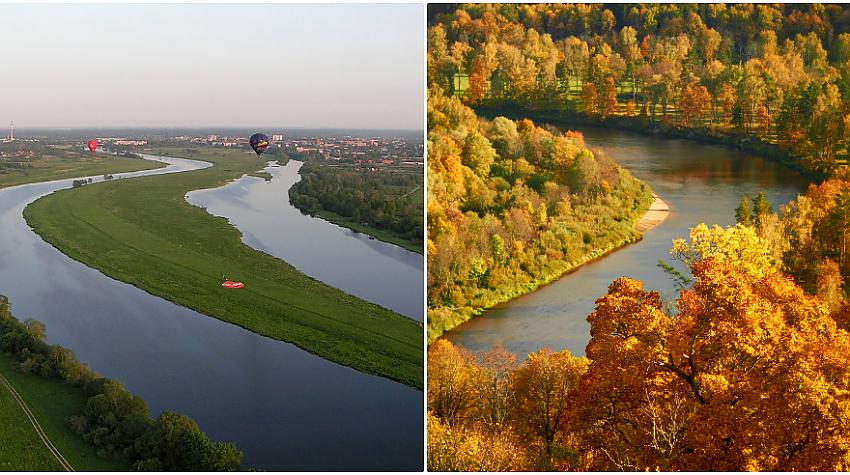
[
  {"x": 113, "y": 420},
  {"x": 512, "y": 205},
  {"x": 747, "y": 370},
  {"x": 779, "y": 74},
  {"x": 381, "y": 199}
]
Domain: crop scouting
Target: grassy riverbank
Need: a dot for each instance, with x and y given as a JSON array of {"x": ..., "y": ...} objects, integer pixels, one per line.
[
  {"x": 443, "y": 319},
  {"x": 379, "y": 234},
  {"x": 143, "y": 232},
  {"x": 52, "y": 167},
  {"x": 52, "y": 402}
]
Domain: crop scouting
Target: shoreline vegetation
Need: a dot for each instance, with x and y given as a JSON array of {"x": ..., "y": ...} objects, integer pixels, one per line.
[
  {"x": 638, "y": 125},
  {"x": 143, "y": 232},
  {"x": 380, "y": 204},
  {"x": 513, "y": 207},
  {"x": 94, "y": 422},
  {"x": 376, "y": 233}
]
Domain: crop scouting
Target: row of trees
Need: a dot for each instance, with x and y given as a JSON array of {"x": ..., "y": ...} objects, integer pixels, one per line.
[
  {"x": 778, "y": 73},
  {"x": 747, "y": 372},
  {"x": 512, "y": 205},
  {"x": 386, "y": 199},
  {"x": 114, "y": 421}
]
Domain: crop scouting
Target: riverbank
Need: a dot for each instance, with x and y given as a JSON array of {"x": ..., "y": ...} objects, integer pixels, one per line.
[
  {"x": 55, "y": 168},
  {"x": 332, "y": 189},
  {"x": 756, "y": 146},
  {"x": 458, "y": 316},
  {"x": 143, "y": 232},
  {"x": 376, "y": 233},
  {"x": 655, "y": 215}
]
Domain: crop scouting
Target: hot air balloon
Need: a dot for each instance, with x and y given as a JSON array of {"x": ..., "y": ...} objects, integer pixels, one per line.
[
  {"x": 92, "y": 145},
  {"x": 259, "y": 142}
]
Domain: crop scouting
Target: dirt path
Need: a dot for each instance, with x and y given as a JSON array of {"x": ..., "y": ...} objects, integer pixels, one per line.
[
  {"x": 38, "y": 430},
  {"x": 657, "y": 213}
]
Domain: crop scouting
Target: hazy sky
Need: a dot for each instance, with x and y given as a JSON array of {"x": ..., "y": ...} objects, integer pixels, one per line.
[{"x": 342, "y": 66}]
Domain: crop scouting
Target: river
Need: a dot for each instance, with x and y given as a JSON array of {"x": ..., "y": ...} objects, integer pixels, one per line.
[
  {"x": 283, "y": 407},
  {"x": 701, "y": 183},
  {"x": 367, "y": 268}
]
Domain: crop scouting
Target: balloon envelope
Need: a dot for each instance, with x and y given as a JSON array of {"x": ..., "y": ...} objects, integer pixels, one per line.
[
  {"x": 259, "y": 142},
  {"x": 92, "y": 145}
]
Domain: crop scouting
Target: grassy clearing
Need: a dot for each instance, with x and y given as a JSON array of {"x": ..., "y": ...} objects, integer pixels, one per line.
[
  {"x": 52, "y": 167},
  {"x": 52, "y": 402},
  {"x": 143, "y": 232}
]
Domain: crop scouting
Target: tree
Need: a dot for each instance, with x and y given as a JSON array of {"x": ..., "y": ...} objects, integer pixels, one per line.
[
  {"x": 829, "y": 285},
  {"x": 761, "y": 206},
  {"x": 452, "y": 381},
  {"x": 608, "y": 101},
  {"x": 742, "y": 213},
  {"x": 685, "y": 392},
  {"x": 542, "y": 387},
  {"x": 737, "y": 245},
  {"x": 496, "y": 394},
  {"x": 589, "y": 100},
  {"x": 478, "y": 154}
]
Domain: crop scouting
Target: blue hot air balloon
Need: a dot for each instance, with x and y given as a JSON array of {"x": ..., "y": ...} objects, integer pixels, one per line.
[{"x": 259, "y": 142}]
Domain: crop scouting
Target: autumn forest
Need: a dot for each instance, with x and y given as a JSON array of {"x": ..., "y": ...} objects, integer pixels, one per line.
[{"x": 746, "y": 368}]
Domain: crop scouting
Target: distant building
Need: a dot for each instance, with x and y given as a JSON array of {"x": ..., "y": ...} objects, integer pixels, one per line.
[
  {"x": 277, "y": 137},
  {"x": 212, "y": 138},
  {"x": 131, "y": 142},
  {"x": 11, "y": 137}
]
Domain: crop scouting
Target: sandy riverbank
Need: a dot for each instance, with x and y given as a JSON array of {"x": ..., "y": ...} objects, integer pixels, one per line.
[{"x": 657, "y": 213}]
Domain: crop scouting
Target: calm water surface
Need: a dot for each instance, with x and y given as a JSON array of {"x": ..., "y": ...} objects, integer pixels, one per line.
[
  {"x": 285, "y": 408},
  {"x": 370, "y": 269},
  {"x": 701, "y": 183}
]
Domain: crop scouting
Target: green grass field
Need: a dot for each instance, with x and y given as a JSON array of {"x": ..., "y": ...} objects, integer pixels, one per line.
[
  {"x": 52, "y": 402},
  {"x": 20, "y": 447},
  {"x": 143, "y": 232},
  {"x": 55, "y": 168}
]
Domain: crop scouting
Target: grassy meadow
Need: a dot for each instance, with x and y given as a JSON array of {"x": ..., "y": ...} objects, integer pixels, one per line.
[
  {"x": 55, "y": 167},
  {"x": 143, "y": 232}
]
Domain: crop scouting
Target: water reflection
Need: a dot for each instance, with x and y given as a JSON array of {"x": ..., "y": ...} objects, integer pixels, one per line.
[{"x": 700, "y": 182}]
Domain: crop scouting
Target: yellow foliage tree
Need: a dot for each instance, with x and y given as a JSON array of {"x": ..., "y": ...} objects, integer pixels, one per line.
[{"x": 738, "y": 245}]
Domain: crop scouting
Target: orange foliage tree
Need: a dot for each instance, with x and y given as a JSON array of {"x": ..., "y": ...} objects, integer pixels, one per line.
[
  {"x": 589, "y": 100},
  {"x": 750, "y": 374}
]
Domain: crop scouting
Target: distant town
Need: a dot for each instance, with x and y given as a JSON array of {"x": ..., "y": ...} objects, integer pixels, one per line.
[{"x": 350, "y": 148}]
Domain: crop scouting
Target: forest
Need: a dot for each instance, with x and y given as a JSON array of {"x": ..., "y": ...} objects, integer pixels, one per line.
[
  {"x": 747, "y": 371},
  {"x": 511, "y": 206},
  {"x": 113, "y": 420},
  {"x": 772, "y": 77},
  {"x": 747, "y": 368},
  {"x": 386, "y": 199}
]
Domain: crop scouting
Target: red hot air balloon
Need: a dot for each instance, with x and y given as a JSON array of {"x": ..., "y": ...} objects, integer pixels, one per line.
[{"x": 92, "y": 145}]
